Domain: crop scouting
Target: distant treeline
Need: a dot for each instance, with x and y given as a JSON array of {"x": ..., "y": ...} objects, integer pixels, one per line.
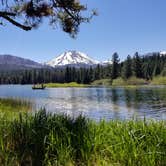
[{"x": 145, "y": 67}]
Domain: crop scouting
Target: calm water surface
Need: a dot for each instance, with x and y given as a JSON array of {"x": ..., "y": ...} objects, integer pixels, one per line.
[{"x": 95, "y": 103}]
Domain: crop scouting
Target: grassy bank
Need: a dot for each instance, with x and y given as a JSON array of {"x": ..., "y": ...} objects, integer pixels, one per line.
[
  {"x": 45, "y": 139},
  {"x": 131, "y": 82},
  {"x": 102, "y": 82},
  {"x": 65, "y": 85},
  {"x": 160, "y": 80}
]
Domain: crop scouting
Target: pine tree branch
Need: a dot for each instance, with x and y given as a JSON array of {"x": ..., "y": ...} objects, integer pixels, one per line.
[
  {"x": 67, "y": 11},
  {"x": 6, "y": 15}
]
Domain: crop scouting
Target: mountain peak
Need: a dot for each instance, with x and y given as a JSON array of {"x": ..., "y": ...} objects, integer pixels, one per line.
[{"x": 72, "y": 57}]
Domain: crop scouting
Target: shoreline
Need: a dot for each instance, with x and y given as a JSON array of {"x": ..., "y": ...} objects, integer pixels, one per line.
[{"x": 68, "y": 85}]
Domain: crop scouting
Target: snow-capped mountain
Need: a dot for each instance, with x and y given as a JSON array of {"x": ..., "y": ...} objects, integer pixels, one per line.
[{"x": 72, "y": 58}]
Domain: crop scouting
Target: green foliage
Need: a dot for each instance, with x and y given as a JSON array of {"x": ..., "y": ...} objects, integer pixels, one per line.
[
  {"x": 119, "y": 82},
  {"x": 136, "y": 81},
  {"x": 129, "y": 81},
  {"x": 159, "y": 80},
  {"x": 103, "y": 82},
  {"x": 45, "y": 139}
]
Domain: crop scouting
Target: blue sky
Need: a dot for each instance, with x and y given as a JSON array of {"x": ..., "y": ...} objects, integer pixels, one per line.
[{"x": 123, "y": 26}]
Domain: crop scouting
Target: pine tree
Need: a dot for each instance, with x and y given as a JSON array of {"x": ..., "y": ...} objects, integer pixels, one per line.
[
  {"x": 127, "y": 68},
  {"x": 67, "y": 74},
  {"x": 137, "y": 66},
  {"x": 156, "y": 70},
  {"x": 91, "y": 74},
  {"x": 163, "y": 73},
  {"x": 115, "y": 66},
  {"x": 98, "y": 72}
]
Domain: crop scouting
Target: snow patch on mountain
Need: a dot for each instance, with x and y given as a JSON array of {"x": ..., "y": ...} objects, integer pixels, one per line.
[
  {"x": 163, "y": 53},
  {"x": 108, "y": 62}
]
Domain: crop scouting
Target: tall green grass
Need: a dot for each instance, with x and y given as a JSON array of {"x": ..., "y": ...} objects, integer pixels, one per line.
[
  {"x": 15, "y": 105},
  {"x": 46, "y": 139},
  {"x": 11, "y": 107}
]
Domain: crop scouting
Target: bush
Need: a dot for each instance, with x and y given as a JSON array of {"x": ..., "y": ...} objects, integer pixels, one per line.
[
  {"x": 103, "y": 82},
  {"x": 130, "y": 81}
]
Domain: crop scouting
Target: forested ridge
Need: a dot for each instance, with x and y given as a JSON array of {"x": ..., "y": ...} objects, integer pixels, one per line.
[{"x": 145, "y": 67}]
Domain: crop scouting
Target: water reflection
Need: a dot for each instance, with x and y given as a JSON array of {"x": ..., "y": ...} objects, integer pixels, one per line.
[{"x": 96, "y": 103}]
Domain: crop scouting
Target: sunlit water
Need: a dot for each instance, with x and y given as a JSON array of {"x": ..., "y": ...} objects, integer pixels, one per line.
[{"x": 95, "y": 103}]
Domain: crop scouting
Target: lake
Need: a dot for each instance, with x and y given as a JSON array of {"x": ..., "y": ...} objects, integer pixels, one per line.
[{"x": 95, "y": 103}]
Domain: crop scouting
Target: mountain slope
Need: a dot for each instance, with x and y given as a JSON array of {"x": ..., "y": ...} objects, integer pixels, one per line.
[
  {"x": 72, "y": 58},
  {"x": 161, "y": 53},
  {"x": 9, "y": 62}
]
